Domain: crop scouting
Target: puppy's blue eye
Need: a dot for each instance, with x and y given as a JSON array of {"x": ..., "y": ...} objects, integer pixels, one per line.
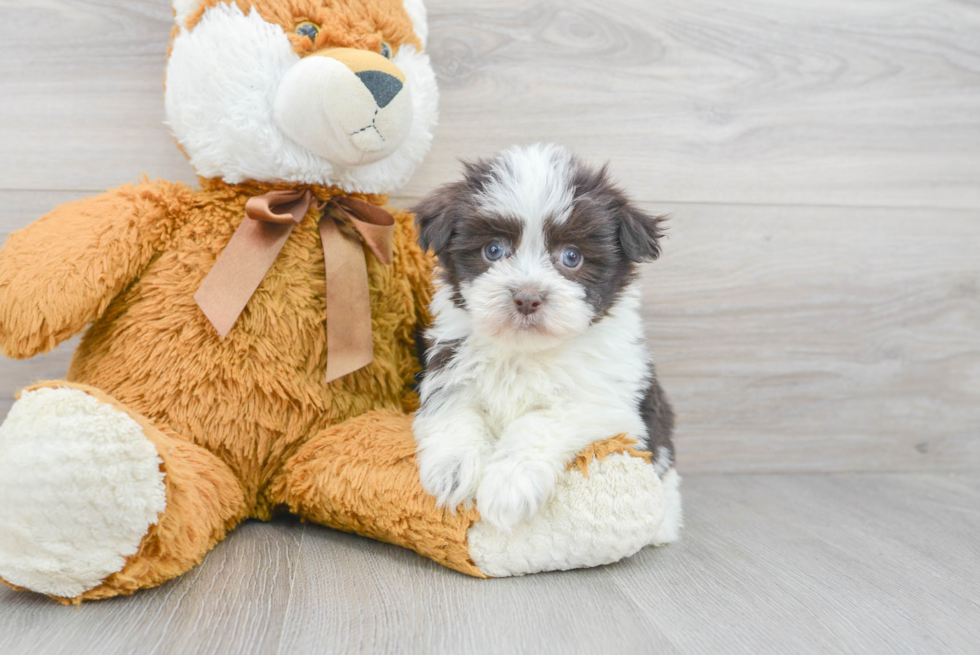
[
  {"x": 494, "y": 251},
  {"x": 308, "y": 29},
  {"x": 385, "y": 50},
  {"x": 571, "y": 258}
]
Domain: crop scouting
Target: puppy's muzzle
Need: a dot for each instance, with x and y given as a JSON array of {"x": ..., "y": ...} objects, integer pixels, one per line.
[
  {"x": 527, "y": 302},
  {"x": 351, "y": 107}
]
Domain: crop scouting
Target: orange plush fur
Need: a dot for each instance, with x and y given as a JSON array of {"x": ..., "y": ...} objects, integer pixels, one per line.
[{"x": 342, "y": 23}]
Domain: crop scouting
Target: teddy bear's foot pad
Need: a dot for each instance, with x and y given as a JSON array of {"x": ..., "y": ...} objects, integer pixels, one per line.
[
  {"x": 80, "y": 485},
  {"x": 596, "y": 518}
]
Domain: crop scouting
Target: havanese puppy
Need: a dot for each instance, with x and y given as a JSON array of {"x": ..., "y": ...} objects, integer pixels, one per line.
[{"x": 536, "y": 349}]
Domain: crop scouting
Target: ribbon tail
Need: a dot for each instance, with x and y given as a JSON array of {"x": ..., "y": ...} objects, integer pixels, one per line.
[
  {"x": 240, "y": 269},
  {"x": 350, "y": 345}
]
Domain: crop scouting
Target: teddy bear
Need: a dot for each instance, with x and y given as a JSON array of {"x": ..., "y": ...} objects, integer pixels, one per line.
[{"x": 250, "y": 344}]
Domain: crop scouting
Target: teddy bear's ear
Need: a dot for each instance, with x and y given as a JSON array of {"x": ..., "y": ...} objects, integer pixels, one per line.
[
  {"x": 183, "y": 9},
  {"x": 434, "y": 218},
  {"x": 420, "y": 23}
]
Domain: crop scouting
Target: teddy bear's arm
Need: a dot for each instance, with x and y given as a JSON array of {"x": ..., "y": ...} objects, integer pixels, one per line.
[{"x": 63, "y": 270}]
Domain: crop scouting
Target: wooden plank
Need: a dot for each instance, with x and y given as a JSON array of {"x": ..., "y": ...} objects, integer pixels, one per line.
[
  {"x": 817, "y": 564},
  {"x": 871, "y": 103},
  {"x": 819, "y": 339},
  {"x": 789, "y": 339},
  {"x": 233, "y": 603},
  {"x": 353, "y": 595},
  {"x": 83, "y": 109}
]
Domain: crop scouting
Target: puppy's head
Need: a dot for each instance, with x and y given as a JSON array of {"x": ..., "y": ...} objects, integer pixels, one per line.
[{"x": 535, "y": 245}]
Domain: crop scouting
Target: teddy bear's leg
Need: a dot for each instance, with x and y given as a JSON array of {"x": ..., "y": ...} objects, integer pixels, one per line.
[
  {"x": 360, "y": 476},
  {"x": 96, "y": 501}
]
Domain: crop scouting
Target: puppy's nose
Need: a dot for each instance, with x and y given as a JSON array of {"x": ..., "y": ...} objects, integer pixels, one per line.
[
  {"x": 527, "y": 302},
  {"x": 383, "y": 87}
]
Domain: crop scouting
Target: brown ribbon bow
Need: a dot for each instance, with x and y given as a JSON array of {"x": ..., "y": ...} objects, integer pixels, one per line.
[{"x": 270, "y": 219}]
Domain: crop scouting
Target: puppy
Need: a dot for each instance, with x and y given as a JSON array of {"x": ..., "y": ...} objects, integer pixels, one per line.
[{"x": 536, "y": 348}]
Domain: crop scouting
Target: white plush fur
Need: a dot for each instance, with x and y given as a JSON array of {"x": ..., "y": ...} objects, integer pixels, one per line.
[
  {"x": 222, "y": 82},
  {"x": 522, "y": 395},
  {"x": 183, "y": 9},
  {"x": 81, "y": 485},
  {"x": 323, "y": 105},
  {"x": 591, "y": 521}
]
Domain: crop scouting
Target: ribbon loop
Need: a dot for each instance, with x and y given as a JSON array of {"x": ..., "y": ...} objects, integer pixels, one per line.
[
  {"x": 283, "y": 206},
  {"x": 252, "y": 250}
]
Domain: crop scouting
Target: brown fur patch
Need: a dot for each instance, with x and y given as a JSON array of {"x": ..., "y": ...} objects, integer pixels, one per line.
[
  {"x": 603, "y": 449},
  {"x": 361, "y": 24}
]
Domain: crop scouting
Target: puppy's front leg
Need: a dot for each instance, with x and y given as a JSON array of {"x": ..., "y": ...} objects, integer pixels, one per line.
[
  {"x": 530, "y": 455},
  {"x": 454, "y": 446}
]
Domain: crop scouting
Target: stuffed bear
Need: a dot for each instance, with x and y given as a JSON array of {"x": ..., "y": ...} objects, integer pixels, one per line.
[{"x": 251, "y": 343}]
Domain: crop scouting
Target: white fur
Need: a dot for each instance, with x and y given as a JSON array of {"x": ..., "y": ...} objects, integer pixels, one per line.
[
  {"x": 670, "y": 529},
  {"x": 222, "y": 81},
  {"x": 662, "y": 461},
  {"x": 420, "y": 20},
  {"x": 183, "y": 9},
  {"x": 80, "y": 485},
  {"x": 591, "y": 521},
  {"x": 530, "y": 182}
]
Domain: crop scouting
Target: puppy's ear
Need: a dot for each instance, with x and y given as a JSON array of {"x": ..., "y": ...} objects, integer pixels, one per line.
[
  {"x": 434, "y": 218},
  {"x": 640, "y": 233}
]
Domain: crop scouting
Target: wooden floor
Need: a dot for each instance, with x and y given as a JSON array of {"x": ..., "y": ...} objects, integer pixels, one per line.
[
  {"x": 816, "y": 319},
  {"x": 786, "y": 563}
]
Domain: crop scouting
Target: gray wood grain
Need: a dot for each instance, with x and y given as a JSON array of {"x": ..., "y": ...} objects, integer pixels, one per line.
[
  {"x": 874, "y": 563},
  {"x": 819, "y": 339},
  {"x": 232, "y": 603},
  {"x": 871, "y": 103},
  {"x": 818, "y": 563}
]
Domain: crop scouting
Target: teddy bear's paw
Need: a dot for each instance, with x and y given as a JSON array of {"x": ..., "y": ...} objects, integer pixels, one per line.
[
  {"x": 594, "y": 519},
  {"x": 80, "y": 485}
]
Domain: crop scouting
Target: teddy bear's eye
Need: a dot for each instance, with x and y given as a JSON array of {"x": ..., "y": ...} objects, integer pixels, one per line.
[
  {"x": 308, "y": 29},
  {"x": 385, "y": 50}
]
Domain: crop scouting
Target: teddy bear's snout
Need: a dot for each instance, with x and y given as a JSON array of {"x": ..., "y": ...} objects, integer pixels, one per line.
[{"x": 349, "y": 106}]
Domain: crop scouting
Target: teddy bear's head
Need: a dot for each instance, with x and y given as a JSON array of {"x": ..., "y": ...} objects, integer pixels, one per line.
[{"x": 333, "y": 92}]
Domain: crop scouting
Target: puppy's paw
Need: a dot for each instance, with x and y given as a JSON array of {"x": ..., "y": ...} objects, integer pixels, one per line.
[
  {"x": 513, "y": 490},
  {"x": 451, "y": 475}
]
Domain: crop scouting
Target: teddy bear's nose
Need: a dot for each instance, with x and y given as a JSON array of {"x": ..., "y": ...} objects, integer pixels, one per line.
[{"x": 383, "y": 87}]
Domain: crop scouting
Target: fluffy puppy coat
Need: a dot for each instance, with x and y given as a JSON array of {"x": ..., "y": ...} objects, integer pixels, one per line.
[{"x": 537, "y": 347}]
